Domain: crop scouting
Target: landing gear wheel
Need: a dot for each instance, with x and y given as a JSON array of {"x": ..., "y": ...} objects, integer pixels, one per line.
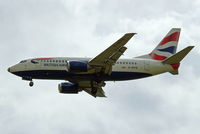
[
  {"x": 94, "y": 91},
  {"x": 31, "y": 84}
]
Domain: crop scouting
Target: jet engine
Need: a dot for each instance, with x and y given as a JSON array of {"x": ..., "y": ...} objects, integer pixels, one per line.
[
  {"x": 68, "y": 88},
  {"x": 77, "y": 66}
]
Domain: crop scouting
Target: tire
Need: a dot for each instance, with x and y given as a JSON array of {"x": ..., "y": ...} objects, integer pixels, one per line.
[{"x": 31, "y": 84}]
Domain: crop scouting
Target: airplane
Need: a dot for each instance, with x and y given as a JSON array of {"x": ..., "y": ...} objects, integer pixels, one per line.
[{"x": 90, "y": 74}]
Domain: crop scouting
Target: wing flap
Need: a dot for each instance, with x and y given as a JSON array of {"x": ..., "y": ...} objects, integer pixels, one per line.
[
  {"x": 112, "y": 60},
  {"x": 116, "y": 55}
]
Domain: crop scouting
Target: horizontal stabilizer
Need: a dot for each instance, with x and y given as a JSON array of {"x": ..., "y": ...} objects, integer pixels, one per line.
[{"x": 176, "y": 58}]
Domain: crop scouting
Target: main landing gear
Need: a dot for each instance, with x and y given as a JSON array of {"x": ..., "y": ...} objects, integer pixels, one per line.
[
  {"x": 31, "y": 83},
  {"x": 95, "y": 85},
  {"x": 94, "y": 91}
]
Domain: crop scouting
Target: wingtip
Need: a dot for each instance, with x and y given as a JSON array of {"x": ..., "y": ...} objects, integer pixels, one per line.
[
  {"x": 131, "y": 33},
  {"x": 191, "y": 47}
]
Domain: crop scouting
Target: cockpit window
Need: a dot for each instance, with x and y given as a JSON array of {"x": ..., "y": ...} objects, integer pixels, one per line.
[
  {"x": 34, "y": 62},
  {"x": 23, "y": 61}
]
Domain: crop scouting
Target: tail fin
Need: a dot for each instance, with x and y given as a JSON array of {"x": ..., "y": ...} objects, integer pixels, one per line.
[
  {"x": 175, "y": 59},
  {"x": 167, "y": 47}
]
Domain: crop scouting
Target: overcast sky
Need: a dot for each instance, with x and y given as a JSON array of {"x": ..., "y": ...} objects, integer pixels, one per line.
[{"x": 163, "y": 104}]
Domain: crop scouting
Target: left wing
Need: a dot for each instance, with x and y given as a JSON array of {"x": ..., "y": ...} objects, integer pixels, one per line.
[
  {"x": 88, "y": 87},
  {"x": 100, "y": 92},
  {"x": 104, "y": 61}
]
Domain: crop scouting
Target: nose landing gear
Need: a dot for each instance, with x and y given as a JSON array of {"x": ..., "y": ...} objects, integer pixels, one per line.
[
  {"x": 31, "y": 83},
  {"x": 28, "y": 79}
]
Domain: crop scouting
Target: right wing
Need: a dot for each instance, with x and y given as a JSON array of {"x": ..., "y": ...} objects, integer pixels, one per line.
[
  {"x": 176, "y": 58},
  {"x": 104, "y": 61}
]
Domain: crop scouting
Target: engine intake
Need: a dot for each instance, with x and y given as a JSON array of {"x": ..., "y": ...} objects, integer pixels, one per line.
[
  {"x": 77, "y": 66},
  {"x": 68, "y": 88}
]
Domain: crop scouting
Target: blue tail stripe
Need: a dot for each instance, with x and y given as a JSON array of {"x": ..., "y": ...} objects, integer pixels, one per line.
[{"x": 171, "y": 49}]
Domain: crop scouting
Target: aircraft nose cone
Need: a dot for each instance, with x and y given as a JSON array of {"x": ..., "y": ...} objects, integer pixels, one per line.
[{"x": 9, "y": 69}]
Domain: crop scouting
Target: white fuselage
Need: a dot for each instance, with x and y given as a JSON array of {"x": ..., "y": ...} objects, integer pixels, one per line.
[{"x": 56, "y": 68}]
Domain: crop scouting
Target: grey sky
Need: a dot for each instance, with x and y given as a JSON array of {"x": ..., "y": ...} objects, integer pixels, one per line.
[{"x": 43, "y": 28}]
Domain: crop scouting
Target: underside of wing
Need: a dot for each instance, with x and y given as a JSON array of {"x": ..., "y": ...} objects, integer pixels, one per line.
[
  {"x": 99, "y": 93},
  {"x": 91, "y": 87}
]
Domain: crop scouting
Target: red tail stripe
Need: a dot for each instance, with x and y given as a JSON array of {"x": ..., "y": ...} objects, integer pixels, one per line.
[
  {"x": 175, "y": 66},
  {"x": 157, "y": 57},
  {"x": 172, "y": 37}
]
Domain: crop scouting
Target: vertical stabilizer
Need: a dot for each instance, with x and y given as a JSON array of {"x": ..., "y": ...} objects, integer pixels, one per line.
[{"x": 167, "y": 47}]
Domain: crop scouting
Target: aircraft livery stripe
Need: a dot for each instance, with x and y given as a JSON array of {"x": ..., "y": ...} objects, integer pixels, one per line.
[
  {"x": 175, "y": 66},
  {"x": 172, "y": 37},
  {"x": 168, "y": 49},
  {"x": 63, "y": 74},
  {"x": 157, "y": 57}
]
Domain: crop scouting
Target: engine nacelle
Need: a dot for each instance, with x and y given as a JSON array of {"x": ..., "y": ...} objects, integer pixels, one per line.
[
  {"x": 77, "y": 66},
  {"x": 68, "y": 88}
]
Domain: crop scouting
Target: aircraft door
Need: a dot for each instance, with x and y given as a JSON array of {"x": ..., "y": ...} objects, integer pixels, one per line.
[
  {"x": 146, "y": 65},
  {"x": 25, "y": 66}
]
